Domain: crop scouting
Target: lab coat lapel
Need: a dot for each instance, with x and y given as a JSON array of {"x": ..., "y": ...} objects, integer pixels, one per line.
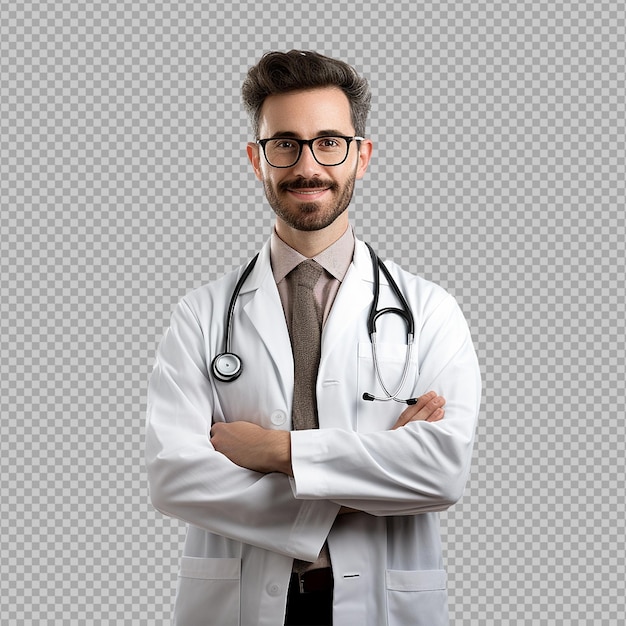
[
  {"x": 355, "y": 294},
  {"x": 265, "y": 312}
]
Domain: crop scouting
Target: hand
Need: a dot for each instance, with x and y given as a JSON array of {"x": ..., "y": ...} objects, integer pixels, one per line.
[
  {"x": 253, "y": 447},
  {"x": 429, "y": 408}
]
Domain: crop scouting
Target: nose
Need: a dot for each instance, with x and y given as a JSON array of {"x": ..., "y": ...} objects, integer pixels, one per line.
[{"x": 307, "y": 166}]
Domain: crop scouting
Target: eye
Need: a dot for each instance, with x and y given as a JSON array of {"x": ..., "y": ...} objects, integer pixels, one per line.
[
  {"x": 330, "y": 144},
  {"x": 283, "y": 144}
]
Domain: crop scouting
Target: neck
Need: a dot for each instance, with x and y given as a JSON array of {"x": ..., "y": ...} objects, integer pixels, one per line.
[{"x": 311, "y": 243}]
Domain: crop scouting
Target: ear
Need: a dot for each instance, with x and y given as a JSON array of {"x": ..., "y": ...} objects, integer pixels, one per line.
[
  {"x": 365, "y": 154},
  {"x": 254, "y": 155}
]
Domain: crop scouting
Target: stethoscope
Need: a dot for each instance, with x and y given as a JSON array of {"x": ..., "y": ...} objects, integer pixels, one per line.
[{"x": 227, "y": 366}]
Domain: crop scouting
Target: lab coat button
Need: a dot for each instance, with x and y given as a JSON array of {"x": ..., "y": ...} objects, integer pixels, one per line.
[
  {"x": 273, "y": 589},
  {"x": 278, "y": 418}
]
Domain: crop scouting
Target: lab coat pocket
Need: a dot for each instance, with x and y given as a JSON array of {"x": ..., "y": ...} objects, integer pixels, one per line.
[
  {"x": 208, "y": 592},
  {"x": 417, "y": 598}
]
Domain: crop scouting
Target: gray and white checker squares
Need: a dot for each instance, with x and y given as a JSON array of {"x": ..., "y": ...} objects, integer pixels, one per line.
[{"x": 499, "y": 172}]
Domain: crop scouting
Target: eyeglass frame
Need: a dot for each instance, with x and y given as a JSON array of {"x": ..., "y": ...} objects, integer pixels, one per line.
[{"x": 309, "y": 142}]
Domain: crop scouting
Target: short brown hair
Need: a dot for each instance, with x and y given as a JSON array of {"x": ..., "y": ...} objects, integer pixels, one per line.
[{"x": 282, "y": 72}]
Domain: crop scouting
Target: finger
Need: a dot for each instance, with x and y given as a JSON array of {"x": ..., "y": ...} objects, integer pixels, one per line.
[
  {"x": 428, "y": 407},
  {"x": 431, "y": 407},
  {"x": 409, "y": 414},
  {"x": 436, "y": 416},
  {"x": 422, "y": 411},
  {"x": 215, "y": 429},
  {"x": 422, "y": 401}
]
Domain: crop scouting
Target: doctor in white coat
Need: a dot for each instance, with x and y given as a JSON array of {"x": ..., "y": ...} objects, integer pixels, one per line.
[{"x": 369, "y": 482}]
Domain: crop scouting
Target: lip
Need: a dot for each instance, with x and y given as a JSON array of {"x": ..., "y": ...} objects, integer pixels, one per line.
[{"x": 308, "y": 194}]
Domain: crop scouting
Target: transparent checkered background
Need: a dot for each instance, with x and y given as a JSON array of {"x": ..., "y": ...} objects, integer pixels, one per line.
[{"x": 499, "y": 172}]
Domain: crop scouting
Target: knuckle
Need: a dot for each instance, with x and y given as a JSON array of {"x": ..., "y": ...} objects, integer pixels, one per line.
[{"x": 216, "y": 429}]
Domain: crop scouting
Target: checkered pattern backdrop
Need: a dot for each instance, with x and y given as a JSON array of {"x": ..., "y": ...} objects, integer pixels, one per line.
[{"x": 499, "y": 172}]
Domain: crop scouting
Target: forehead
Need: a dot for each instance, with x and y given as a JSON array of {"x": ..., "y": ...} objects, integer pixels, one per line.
[{"x": 306, "y": 113}]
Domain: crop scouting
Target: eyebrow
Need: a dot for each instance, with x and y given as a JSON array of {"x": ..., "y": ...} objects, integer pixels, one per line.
[{"x": 321, "y": 133}]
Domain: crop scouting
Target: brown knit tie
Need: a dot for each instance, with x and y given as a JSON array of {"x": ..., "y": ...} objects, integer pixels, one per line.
[
  {"x": 306, "y": 332},
  {"x": 305, "y": 342}
]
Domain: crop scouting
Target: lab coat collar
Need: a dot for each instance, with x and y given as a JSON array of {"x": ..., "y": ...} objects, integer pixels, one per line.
[
  {"x": 265, "y": 310},
  {"x": 259, "y": 274}
]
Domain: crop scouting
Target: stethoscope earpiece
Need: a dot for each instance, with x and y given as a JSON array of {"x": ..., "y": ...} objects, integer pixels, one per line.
[
  {"x": 370, "y": 398},
  {"x": 226, "y": 367}
]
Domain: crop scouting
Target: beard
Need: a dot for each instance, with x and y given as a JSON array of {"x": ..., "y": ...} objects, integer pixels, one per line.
[{"x": 309, "y": 216}]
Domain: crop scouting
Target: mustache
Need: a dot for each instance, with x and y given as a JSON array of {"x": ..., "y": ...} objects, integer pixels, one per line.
[{"x": 307, "y": 183}]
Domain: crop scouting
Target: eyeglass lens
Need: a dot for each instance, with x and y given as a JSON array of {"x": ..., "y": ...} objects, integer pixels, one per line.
[{"x": 284, "y": 152}]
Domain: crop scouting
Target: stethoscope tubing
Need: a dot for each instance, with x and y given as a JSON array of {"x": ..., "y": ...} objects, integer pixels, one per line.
[
  {"x": 233, "y": 301},
  {"x": 227, "y": 366},
  {"x": 374, "y": 314},
  {"x": 405, "y": 372}
]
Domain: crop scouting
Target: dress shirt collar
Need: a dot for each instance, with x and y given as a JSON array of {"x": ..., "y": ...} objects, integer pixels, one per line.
[{"x": 335, "y": 259}]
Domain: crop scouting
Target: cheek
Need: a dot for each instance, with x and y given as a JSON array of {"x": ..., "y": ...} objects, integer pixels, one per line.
[{"x": 269, "y": 178}]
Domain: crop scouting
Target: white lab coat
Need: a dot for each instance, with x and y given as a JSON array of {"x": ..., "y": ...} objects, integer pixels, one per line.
[{"x": 245, "y": 528}]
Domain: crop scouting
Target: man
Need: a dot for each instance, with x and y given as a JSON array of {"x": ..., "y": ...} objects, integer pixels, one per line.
[{"x": 306, "y": 501}]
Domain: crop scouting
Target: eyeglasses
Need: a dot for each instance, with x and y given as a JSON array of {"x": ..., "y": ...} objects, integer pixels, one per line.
[{"x": 326, "y": 150}]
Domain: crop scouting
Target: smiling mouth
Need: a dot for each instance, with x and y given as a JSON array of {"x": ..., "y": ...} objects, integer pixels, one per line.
[{"x": 307, "y": 192}]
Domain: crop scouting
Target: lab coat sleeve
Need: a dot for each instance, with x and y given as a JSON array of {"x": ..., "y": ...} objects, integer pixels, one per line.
[
  {"x": 418, "y": 468},
  {"x": 191, "y": 481}
]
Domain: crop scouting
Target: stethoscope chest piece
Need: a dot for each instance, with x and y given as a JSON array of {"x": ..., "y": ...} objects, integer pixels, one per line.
[{"x": 226, "y": 367}]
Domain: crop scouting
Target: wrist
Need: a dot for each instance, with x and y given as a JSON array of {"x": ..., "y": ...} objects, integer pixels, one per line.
[{"x": 281, "y": 452}]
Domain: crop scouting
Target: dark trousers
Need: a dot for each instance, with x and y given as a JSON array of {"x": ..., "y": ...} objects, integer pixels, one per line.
[{"x": 314, "y": 608}]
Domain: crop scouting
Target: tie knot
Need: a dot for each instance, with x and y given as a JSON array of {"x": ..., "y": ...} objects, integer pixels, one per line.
[{"x": 307, "y": 273}]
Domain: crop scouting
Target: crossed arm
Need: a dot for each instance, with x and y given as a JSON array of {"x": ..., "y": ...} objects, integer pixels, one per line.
[{"x": 263, "y": 450}]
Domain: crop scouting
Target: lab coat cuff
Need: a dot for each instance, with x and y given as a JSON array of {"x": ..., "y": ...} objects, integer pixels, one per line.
[
  {"x": 312, "y": 528},
  {"x": 308, "y": 450},
  {"x": 319, "y": 514}
]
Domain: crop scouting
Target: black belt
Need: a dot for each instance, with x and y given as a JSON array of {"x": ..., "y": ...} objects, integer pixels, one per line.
[{"x": 314, "y": 580}]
